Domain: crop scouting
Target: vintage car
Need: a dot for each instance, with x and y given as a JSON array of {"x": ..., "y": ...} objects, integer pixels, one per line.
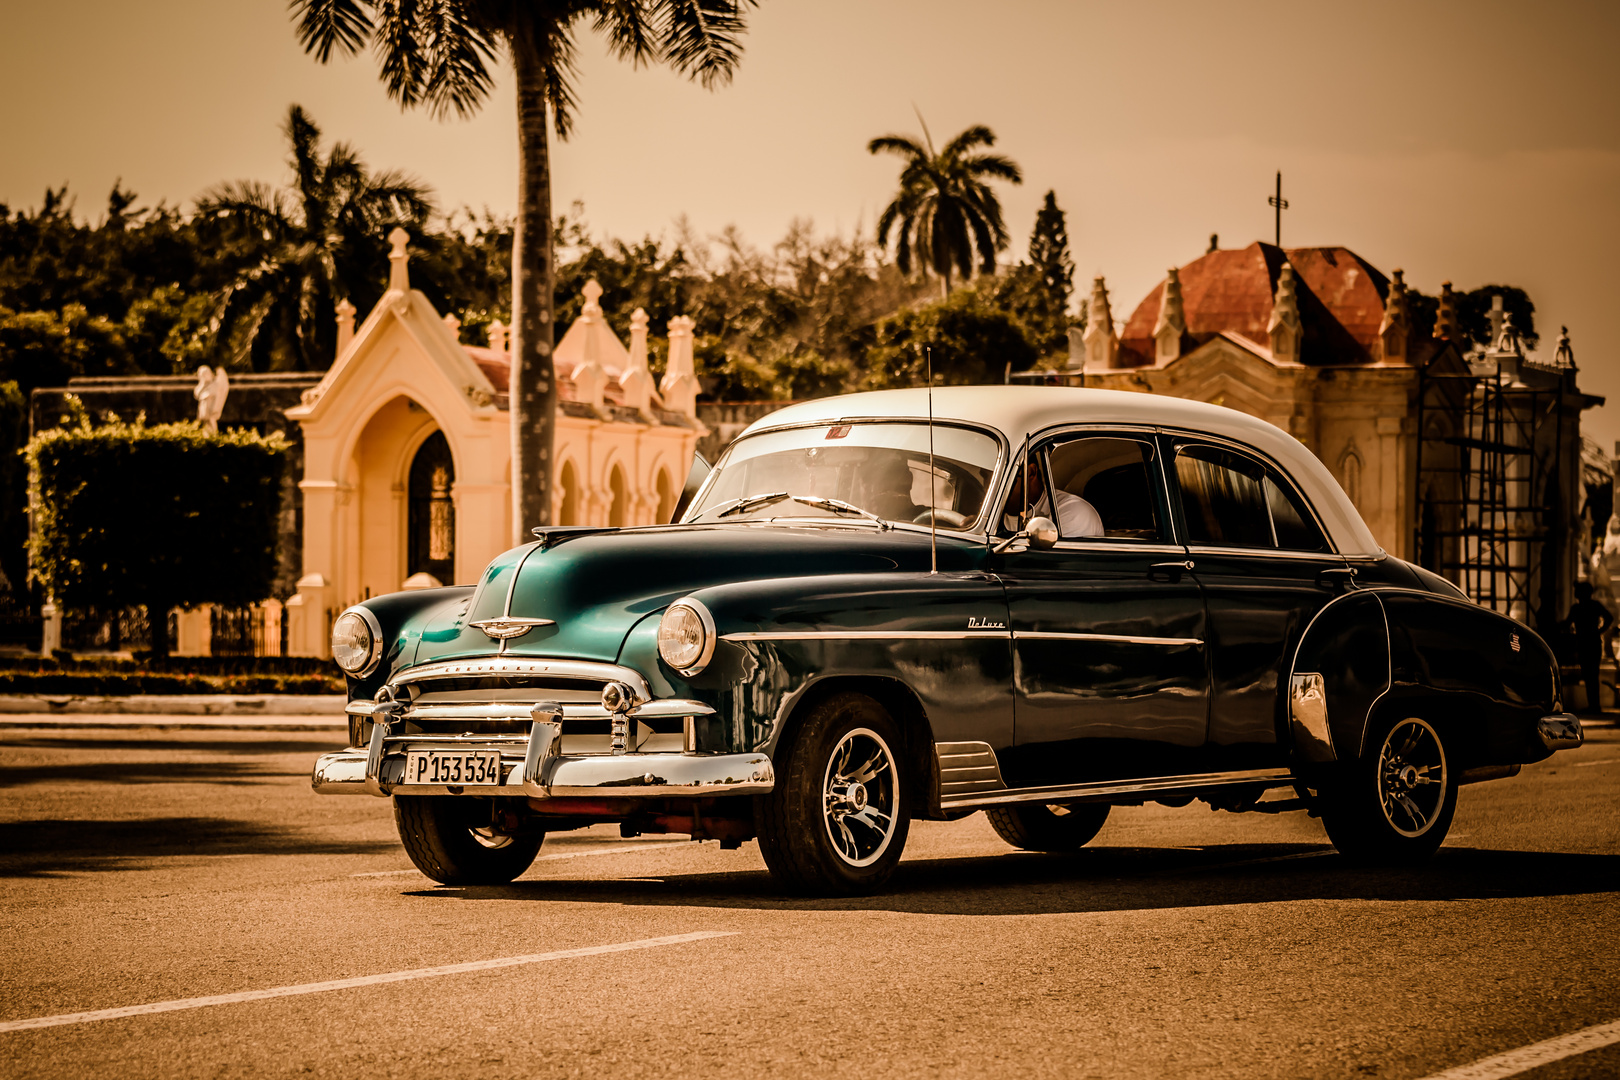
[{"x": 1037, "y": 602}]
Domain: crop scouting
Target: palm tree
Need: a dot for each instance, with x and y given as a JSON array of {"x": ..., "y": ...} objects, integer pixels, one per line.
[
  {"x": 439, "y": 54},
  {"x": 298, "y": 250},
  {"x": 946, "y": 209}
]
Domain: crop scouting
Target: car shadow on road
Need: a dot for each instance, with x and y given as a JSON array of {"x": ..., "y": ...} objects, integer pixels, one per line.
[
  {"x": 47, "y": 848},
  {"x": 1110, "y": 879},
  {"x": 166, "y": 743}
]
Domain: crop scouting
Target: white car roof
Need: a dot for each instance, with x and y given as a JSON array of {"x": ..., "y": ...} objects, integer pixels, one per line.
[{"x": 1020, "y": 411}]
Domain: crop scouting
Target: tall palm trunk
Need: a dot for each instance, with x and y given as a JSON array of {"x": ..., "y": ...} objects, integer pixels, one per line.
[{"x": 533, "y": 382}]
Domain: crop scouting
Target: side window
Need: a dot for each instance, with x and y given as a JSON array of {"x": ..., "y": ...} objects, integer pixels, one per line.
[
  {"x": 1231, "y": 500},
  {"x": 1106, "y": 488}
]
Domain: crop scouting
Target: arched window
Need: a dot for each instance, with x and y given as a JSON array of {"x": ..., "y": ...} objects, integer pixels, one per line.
[
  {"x": 1350, "y": 475},
  {"x": 666, "y": 498},
  {"x": 619, "y": 509},
  {"x": 431, "y": 524},
  {"x": 569, "y": 480}
]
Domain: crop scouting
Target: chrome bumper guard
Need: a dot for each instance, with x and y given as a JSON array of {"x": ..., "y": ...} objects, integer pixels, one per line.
[
  {"x": 531, "y": 766},
  {"x": 1561, "y": 731}
]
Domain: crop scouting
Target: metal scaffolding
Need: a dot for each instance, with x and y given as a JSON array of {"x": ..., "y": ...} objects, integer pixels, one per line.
[{"x": 1493, "y": 509}]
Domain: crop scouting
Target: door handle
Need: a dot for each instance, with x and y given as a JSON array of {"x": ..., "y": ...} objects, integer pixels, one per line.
[
  {"x": 1336, "y": 575},
  {"x": 1171, "y": 570}
]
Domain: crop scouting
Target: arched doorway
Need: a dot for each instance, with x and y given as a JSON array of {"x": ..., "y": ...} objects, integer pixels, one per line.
[
  {"x": 621, "y": 500},
  {"x": 431, "y": 517},
  {"x": 666, "y": 498},
  {"x": 569, "y": 482}
]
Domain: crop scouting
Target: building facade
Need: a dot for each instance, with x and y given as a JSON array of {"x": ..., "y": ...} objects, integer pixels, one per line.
[{"x": 408, "y": 446}]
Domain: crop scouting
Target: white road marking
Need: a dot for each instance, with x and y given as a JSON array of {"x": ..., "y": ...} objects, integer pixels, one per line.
[
  {"x": 1605, "y": 761},
  {"x": 616, "y": 850},
  {"x": 1535, "y": 1055},
  {"x": 348, "y": 984}
]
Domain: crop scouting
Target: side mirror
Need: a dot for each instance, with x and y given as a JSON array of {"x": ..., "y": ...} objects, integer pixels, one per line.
[
  {"x": 1042, "y": 533},
  {"x": 1039, "y": 533}
]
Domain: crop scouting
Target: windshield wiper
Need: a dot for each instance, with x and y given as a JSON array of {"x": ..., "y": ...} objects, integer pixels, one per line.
[
  {"x": 837, "y": 506},
  {"x": 752, "y": 502}
]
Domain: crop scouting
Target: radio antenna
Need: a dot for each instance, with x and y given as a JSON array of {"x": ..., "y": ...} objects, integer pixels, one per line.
[{"x": 933, "y": 480}]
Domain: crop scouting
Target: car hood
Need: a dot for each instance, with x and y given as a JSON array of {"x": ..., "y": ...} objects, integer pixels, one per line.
[{"x": 595, "y": 588}]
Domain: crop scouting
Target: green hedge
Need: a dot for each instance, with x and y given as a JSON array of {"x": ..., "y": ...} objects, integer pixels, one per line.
[
  {"x": 122, "y": 683},
  {"x": 164, "y": 516}
]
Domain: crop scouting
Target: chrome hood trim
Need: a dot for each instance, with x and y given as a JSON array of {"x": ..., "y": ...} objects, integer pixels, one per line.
[{"x": 584, "y": 670}]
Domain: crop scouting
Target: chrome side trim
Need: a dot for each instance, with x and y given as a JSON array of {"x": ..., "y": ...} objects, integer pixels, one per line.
[
  {"x": 1561, "y": 731},
  {"x": 1116, "y": 788},
  {"x": 507, "y": 665},
  {"x": 1121, "y": 639},
  {"x": 862, "y": 635},
  {"x": 967, "y": 767},
  {"x": 1308, "y": 717}
]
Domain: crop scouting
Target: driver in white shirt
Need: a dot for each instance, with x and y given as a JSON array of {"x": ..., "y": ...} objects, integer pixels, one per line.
[{"x": 1075, "y": 516}]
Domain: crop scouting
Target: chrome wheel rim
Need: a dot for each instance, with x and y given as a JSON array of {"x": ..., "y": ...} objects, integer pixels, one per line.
[
  {"x": 1412, "y": 777},
  {"x": 861, "y": 795}
]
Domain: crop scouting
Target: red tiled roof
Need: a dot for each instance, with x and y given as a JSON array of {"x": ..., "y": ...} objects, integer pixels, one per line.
[
  {"x": 496, "y": 366},
  {"x": 1341, "y": 302}
]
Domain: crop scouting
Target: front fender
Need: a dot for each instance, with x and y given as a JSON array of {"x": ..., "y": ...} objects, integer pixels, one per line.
[
  {"x": 402, "y": 617},
  {"x": 943, "y": 637}
]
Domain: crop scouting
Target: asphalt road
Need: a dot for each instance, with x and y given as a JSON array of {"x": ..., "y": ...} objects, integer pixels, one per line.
[{"x": 141, "y": 867}]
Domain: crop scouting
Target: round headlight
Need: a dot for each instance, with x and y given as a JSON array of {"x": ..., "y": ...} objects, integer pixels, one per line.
[
  {"x": 354, "y": 643},
  {"x": 686, "y": 636}
]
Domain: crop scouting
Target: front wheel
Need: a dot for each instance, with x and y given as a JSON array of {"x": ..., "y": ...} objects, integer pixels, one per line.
[
  {"x": 450, "y": 839},
  {"x": 1394, "y": 804},
  {"x": 836, "y": 822}
]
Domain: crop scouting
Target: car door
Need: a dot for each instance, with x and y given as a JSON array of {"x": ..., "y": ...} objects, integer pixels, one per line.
[
  {"x": 1110, "y": 679},
  {"x": 1266, "y": 568}
]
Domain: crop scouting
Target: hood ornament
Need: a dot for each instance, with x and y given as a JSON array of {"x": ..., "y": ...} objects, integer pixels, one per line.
[{"x": 510, "y": 626}]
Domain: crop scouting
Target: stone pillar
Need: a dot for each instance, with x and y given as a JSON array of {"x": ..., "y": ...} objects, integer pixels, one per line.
[
  {"x": 635, "y": 382},
  {"x": 345, "y": 326},
  {"x": 1395, "y": 327},
  {"x": 308, "y": 632},
  {"x": 1284, "y": 326},
  {"x": 51, "y": 637},
  {"x": 680, "y": 386},
  {"x": 1102, "y": 344},
  {"x": 1172, "y": 321}
]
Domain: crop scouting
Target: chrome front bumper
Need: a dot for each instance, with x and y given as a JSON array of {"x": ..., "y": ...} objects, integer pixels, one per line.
[{"x": 530, "y": 766}]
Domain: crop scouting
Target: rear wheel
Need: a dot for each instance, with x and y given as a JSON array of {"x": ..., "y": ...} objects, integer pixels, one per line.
[
  {"x": 836, "y": 822},
  {"x": 1048, "y": 827},
  {"x": 451, "y": 840},
  {"x": 1394, "y": 804}
]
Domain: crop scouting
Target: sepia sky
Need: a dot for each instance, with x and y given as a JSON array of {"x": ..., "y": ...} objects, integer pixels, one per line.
[{"x": 1477, "y": 142}]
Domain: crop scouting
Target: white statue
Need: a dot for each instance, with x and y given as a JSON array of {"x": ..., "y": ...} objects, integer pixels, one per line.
[{"x": 212, "y": 386}]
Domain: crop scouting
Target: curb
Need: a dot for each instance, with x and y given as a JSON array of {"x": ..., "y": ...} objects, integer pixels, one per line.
[
  {"x": 327, "y": 707},
  {"x": 130, "y": 722}
]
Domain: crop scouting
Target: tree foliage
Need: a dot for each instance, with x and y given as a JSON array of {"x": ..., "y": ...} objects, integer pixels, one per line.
[
  {"x": 972, "y": 338},
  {"x": 294, "y": 252},
  {"x": 946, "y": 213},
  {"x": 162, "y": 516}
]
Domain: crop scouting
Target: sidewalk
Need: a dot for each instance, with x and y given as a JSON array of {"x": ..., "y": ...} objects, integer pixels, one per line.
[{"x": 241, "y": 712}]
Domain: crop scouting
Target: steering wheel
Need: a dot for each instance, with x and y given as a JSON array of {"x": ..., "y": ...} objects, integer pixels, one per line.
[{"x": 949, "y": 518}]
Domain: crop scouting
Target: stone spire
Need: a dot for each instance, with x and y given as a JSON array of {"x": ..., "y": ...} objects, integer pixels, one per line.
[
  {"x": 497, "y": 335},
  {"x": 1172, "y": 324},
  {"x": 453, "y": 323},
  {"x": 1445, "y": 319},
  {"x": 1102, "y": 344},
  {"x": 399, "y": 275},
  {"x": 680, "y": 385},
  {"x": 590, "y": 377},
  {"x": 345, "y": 325},
  {"x": 1284, "y": 327},
  {"x": 1392, "y": 332},
  {"x": 1498, "y": 313},
  {"x": 635, "y": 382}
]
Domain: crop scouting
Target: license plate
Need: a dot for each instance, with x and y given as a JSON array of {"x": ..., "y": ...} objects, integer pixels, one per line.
[{"x": 452, "y": 767}]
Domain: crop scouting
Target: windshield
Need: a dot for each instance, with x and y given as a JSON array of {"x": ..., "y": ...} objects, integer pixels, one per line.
[{"x": 852, "y": 472}]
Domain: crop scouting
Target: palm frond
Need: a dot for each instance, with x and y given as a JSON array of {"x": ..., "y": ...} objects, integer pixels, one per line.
[
  {"x": 985, "y": 241},
  {"x": 993, "y": 166},
  {"x": 903, "y": 145},
  {"x": 558, "y": 59},
  {"x": 977, "y": 135},
  {"x": 325, "y": 25},
  {"x": 457, "y": 51},
  {"x": 629, "y": 34},
  {"x": 398, "y": 44},
  {"x": 700, "y": 37}
]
